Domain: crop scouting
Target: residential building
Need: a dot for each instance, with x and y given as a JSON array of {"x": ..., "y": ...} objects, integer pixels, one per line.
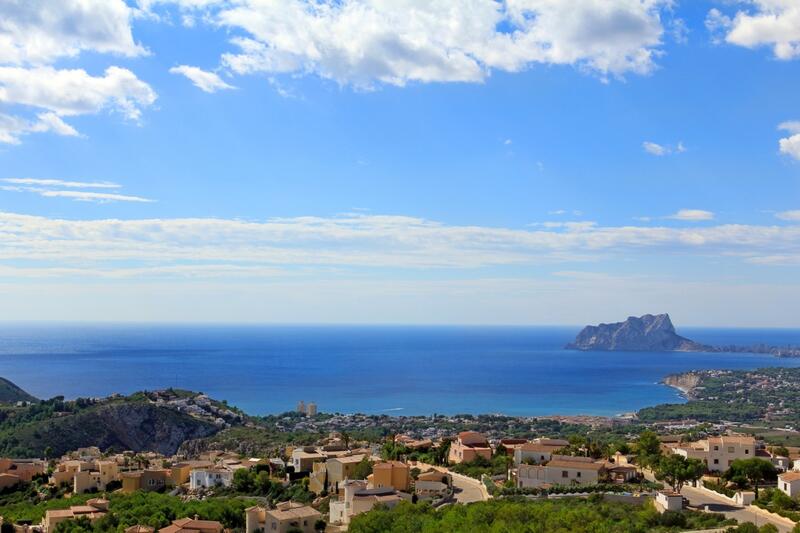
[
  {"x": 318, "y": 478},
  {"x": 790, "y": 483},
  {"x": 209, "y": 478},
  {"x": 179, "y": 472},
  {"x": 9, "y": 480},
  {"x": 781, "y": 463},
  {"x": 341, "y": 468},
  {"x": 356, "y": 498},
  {"x": 311, "y": 409},
  {"x": 561, "y": 470},
  {"x": 718, "y": 452},
  {"x": 533, "y": 452},
  {"x": 192, "y": 525},
  {"x": 140, "y": 529},
  {"x": 432, "y": 484},
  {"x": 24, "y": 469},
  {"x": 93, "y": 510},
  {"x": 392, "y": 474},
  {"x": 147, "y": 480},
  {"x": 667, "y": 500},
  {"x": 468, "y": 446},
  {"x": 285, "y": 517},
  {"x": 303, "y": 458},
  {"x": 96, "y": 477}
]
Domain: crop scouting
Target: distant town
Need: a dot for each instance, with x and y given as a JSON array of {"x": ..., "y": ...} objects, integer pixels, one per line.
[{"x": 312, "y": 471}]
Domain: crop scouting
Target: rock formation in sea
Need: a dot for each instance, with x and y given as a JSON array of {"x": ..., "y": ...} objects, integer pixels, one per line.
[{"x": 648, "y": 333}]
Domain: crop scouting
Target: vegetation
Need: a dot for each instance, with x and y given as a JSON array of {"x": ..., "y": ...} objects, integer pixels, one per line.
[
  {"x": 750, "y": 472},
  {"x": 571, "y": 515},
  {"x": 498, "y": 465},
  {"x": 677, "y": 470},
  {"x": 10, "y": 393},
  {"x": 767, "y": 394},
  {"x": 778, "y": 502},
  {"x": 147, "y": 508}
]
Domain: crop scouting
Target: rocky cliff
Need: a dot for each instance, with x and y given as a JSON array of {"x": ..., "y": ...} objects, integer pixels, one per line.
[
  {"x": 648, "y": 333},
  {"x": 686, "y": 382},
  {"x": 121, "y": 425}
]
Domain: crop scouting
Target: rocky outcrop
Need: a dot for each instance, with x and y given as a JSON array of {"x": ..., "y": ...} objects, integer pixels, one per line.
[
  {"x": 648, "y": 333},
  {"x": 119, "y": 425},
  {"x": 686, "y": 383}
]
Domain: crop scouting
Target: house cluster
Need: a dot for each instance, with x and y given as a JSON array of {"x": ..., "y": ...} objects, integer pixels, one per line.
[
  {"x": 16, "y": 471},
  {"x": 720, "y": 452},
  {"x": 197, "y": 405}
]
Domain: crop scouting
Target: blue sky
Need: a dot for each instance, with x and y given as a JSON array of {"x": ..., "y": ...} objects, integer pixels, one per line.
[{"x": 525, "y": 162}]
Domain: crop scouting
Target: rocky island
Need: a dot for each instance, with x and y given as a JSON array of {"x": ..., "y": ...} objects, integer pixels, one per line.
[{"x": 648, "y": 333}]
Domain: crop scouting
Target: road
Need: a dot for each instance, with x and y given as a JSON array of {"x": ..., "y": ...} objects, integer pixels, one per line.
[
  {"x": 467, "y": 490},
  {"x": 700, "y": 499}
]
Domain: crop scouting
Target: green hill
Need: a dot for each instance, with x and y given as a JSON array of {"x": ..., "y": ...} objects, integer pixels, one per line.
[
  {"x": 10, "y": 393},
  {"x": 131, "y": 423}
]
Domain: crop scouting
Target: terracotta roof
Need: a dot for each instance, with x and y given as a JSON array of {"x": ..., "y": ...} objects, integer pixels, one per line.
[
  {"x": 534, "y": 447},
  {"x": 349, "y": 459},
  {"x": 576, "y": 465},
  {"x": 59, "y": 513},
  {"x": 733, "y": 439},
  {"x": 790, "y": 476},
  {"x": 139, "y": 529},
  {"x": 304, "y": 511},
  {"x": 389, "y": 465}
]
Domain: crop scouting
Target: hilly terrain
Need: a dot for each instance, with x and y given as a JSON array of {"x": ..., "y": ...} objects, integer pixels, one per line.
[
  {"x": 158, "y": 422},
  {"x": 651, "y": 333},
  {"x": 10, "y": 393}
]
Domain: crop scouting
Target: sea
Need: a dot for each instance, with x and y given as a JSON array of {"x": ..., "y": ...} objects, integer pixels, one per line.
[{"x": 392, "y": 370}]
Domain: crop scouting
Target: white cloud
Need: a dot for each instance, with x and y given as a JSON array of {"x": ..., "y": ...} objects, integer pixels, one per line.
[
  {"x": 62, "y": 183},
  {"x": 790, "y": 145},
  {"x": 661, "y": 149},
  {"x": 774, "y": 23},
  {"x": 54, "y": 188},
  {"x": 75, "y": 92},
  {"x": 363, "y": 241},
  {"x": 692, "y": 215},
  {"x": 366, "y": 42},
  {"x": 206, "y": 81},
  {"x": 792, "y": 216},
  {"x": 654, "y": 148},
  {"x": 13, "y": 127},
  {"x": 41, "y": 31}
]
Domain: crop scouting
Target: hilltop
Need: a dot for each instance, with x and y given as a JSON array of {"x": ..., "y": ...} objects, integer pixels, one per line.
[
  {"x": 11, "y": 393},
  {"x": 648, "y": 333},
  {"x": 151, "y": 421}
]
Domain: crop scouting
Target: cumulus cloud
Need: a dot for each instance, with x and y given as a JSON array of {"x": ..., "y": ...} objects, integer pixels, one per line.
[
  {"x": 34, "y": 34},
  {"x": 368, "y": 42},
  {"x": 692, "y": 215},
  {"x": 774, "y": 23},
  {"x": 41, "y": 31},
  {"x": 790, "y": 145},
  {"x": 206, "y": 81},
  {"x": 13, "y": 127}
]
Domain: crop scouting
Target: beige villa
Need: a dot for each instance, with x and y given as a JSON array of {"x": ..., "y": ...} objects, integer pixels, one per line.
[
  {"x": 561, "y": 470},
  {"x": 93, "y": 510},
  {"x": 286, "y": 516},
  {"x": 468, "y": 447},
  {"x": 718, "y": 452}
]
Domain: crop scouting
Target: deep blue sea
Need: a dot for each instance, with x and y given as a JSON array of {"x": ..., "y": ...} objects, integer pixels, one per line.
[{"x": 368, "y": 369}]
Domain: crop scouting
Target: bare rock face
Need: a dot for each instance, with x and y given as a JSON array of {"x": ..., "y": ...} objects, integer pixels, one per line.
[{"x": 648, "y": 333}]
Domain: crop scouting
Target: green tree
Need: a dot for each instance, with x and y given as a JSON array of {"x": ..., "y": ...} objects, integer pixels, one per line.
[
  {"x": 677, "y": 470},
  {"x": 363, "y": 469},
  {"x": 755, "y": 470},
  {"x": 648, "y": 449},
  {"x": 320, "y": 525}
]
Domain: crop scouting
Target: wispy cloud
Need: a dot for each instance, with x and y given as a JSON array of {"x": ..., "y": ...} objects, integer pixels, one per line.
[
  {"x": 364, "y": 241},
  {"x": 693, "y": 215},
  {"x": 55, "y": 188},
  {"x": 661, "y": 149},
  {"x": 206, "y": 81},
  {"x": 62, "y": 183},
  {"x": 791, "y": 216}
]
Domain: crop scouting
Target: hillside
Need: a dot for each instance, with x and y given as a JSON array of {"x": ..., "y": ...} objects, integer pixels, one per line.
[
  {"x": 123, "y": 423},
  {"x": 10, "y": 393}
]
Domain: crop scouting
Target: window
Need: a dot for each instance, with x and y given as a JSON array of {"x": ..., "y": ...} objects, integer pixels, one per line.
[
  {"x": 716, "y": 461},
  {"x": 730, "y": 449},
  {"x": 564, "y": 473},
  {"x": 746, "y": 451},
  {"x": 578, "y": 474},
  {"x": 716, "y": 448}
]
